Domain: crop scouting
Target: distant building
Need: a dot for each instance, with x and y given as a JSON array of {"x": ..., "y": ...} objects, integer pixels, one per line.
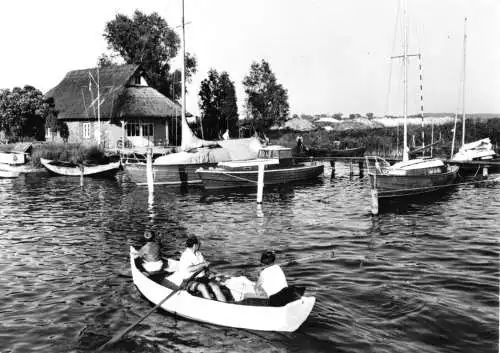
[{"x": 129, "y": 108}]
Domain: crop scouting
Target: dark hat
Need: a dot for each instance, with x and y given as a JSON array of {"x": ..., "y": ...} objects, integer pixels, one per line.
[{"x": 267, "y": 257}]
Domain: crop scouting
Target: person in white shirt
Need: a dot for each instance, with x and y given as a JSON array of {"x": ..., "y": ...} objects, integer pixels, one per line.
[
  {"x": 191, "y": 261},
  {"x": 272, "y": 279}
]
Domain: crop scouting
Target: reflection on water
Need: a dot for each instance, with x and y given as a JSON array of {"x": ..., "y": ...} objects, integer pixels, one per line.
[{"x": 417, "y": 278}]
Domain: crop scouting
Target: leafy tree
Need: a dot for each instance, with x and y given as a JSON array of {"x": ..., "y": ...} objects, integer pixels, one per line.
[
  {"x": 147, "y": 40},
  {"x": 267, "y": 100},
  {"x": 369, "y": 115},
  {"x": 219, "y": 111},
  {"x": 22, "y": 113}
]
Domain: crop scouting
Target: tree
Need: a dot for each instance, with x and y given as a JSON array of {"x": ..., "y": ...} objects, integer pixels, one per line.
[
  {"x": 219, "y": 111},
  {"x": 147, "y": 40},
  {"x": 22, "y": 113},
  {"x": 369, "y": 115},
  {"x": 267, "y": 100}
]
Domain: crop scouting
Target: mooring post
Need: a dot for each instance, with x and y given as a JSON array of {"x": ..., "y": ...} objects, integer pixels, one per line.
[
  {"x": 374, "y": 193},
  {"x": 351, "y": 168},
  {"x": 81, "y": 174},
  {"x": 360, "y": 166},
  {"x": 260, "y": 183},
  {"x": 485, "y": 172},
  {"x": 149, "y": 169},
  {"x": 332, "y": 163}
]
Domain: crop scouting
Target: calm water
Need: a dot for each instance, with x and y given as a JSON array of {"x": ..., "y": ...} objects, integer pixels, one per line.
[{"x": 420, "y": 279}]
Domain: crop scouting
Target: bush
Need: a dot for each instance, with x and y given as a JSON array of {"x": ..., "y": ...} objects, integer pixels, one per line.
[{"x": 72, "y": 153}]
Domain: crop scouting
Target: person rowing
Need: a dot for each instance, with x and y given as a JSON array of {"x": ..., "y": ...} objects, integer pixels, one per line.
[{"x": 191, "y": 261}]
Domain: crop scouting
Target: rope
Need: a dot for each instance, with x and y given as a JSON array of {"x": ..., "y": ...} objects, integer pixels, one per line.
[{"x": 240, "y": 178}]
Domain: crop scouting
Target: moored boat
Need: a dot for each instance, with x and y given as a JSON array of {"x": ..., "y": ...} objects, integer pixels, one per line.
[
  {"x": 412, "y": 177},
  {"x": 8, "y": 174},
  {"x": 286, "y": 318},
  {"x": 237, "y": 174},
  {"x": 408, "y": 177},
  {"x": 330, "y": 152},
  {"x": 70, "y": 169}
]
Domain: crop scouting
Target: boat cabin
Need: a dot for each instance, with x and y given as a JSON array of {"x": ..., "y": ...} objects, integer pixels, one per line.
[{"x": 282, "y": 154}]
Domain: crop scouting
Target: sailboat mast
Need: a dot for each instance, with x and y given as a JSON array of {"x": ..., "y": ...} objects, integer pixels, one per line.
[
  {"x": 463, "y": 84},
  {"x": 98, "y": 110},
  {"x": 183, "y": 69},
  {"x": 405, "y": 81}
]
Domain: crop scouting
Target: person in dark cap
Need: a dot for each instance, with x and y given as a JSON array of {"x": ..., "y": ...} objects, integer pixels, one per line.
[
  {"x": 272, "y": 278},
  {"x": 150, "y": 252}
]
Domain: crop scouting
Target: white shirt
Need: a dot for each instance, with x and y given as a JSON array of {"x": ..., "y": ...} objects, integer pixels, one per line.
[
  {"x": 272, "y": 280},
  {"x": 188, "y": 259}
]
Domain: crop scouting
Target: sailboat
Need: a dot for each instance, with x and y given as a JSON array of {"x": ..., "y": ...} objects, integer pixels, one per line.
[
  {"x": 408, "y": 177},
  {"x": 179, "y": 168},
  {"x": 478, "y": 151}
]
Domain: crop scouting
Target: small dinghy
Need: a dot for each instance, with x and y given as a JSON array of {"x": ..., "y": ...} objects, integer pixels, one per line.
[
  {"x": 69, "y": 169},
  {"x": 232, "y": 314}
]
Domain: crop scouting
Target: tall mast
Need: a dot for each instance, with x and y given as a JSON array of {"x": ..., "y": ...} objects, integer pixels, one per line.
[
  {"x": 98, "y": 110},
  {"x": 183, "y": 73},
  {"x": 463, "y": 84},
  {"x": 405, "y": 81}
]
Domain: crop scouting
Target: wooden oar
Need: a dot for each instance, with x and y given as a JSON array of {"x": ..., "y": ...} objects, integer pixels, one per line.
[{"x": 122, "y": 333}]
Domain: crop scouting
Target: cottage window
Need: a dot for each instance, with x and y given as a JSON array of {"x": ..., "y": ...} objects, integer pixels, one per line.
[
  {"x": 134, "y": 129},
  {"x": 86, "y": 130},
  {"x": 137, "y": 80}
]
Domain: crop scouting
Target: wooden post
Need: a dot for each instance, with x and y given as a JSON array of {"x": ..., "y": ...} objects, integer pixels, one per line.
[
  {"x": 332, "y": 163},
  {"x": 149, "y": 169},
  {"x": 485, "y": 172},
  {"x": 351, "y": 168},
  {"x": 260, "y": 183},
  {"x": 374, "y": 193},
  {"x": 360, "y": 166}
]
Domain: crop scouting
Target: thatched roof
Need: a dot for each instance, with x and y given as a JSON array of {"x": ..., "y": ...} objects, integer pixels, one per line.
[{"x": 75, "y": 97}]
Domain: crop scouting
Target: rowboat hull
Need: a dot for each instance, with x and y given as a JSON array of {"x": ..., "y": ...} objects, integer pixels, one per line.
[
  {"x": 287, "y": 318},
  {"x": 228, "y": 179},
  {"x": 104, "y": 170},
  {"x": 325, "y": 152},
  {"x": 176, "y": 174},
  {"x": 6, "y": 174},
  {"x": 398, "y": 186}
]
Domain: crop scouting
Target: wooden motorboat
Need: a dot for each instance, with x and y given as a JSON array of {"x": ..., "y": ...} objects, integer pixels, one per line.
[
  {"x": 237, "y": 174},
  {"x": 70, "y": 169},
  {"x": 231, "y": 314}
]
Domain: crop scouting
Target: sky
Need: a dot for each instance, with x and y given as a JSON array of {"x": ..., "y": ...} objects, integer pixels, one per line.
[{"x": 331, "y": 55}]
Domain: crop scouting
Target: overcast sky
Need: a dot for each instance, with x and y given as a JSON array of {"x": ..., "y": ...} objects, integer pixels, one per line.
[{"x": 331, "y": 55}]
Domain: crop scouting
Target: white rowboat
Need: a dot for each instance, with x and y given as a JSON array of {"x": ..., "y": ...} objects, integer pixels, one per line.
[
  {"x": 67, "y": 169},
  {"x": 8, "y": 174},
  {"x": 265, "y": 318}
]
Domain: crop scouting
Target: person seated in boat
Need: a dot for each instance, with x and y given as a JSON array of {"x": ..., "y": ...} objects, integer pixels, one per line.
[
  {"x": 191, "y": 261},
  {"x": 150, "y": 253},
  {"x": 272, "y": 281},
  {"x": 271, "y": 278}
]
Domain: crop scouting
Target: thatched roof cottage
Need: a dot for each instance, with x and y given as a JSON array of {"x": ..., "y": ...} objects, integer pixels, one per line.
[{"x": 129, "y": 108}]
